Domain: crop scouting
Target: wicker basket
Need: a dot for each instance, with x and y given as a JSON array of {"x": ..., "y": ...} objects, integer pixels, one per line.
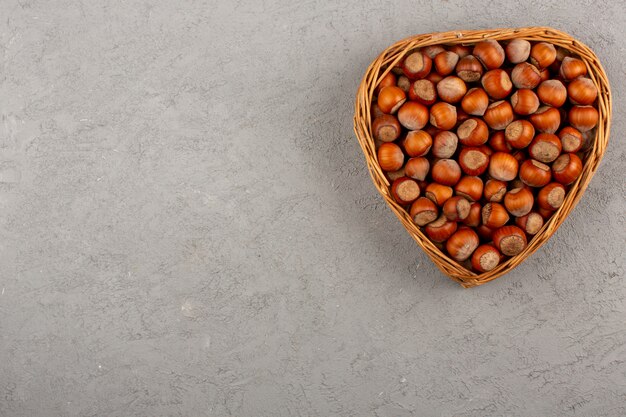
[{"x": 362, "y": 127}]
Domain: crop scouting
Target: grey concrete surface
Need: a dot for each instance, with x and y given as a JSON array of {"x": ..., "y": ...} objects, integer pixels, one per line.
[{"x": 187, "y": 226}]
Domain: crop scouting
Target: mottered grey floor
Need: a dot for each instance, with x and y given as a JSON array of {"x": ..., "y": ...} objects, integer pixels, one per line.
[{"x": 187, "y": 226}]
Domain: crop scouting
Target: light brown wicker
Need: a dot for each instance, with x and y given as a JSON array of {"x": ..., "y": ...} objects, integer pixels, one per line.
[{"x": 362, "y": 127}]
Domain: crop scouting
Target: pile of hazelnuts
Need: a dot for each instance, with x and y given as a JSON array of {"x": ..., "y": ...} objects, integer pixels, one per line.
[{"x": 481, "y": 143}]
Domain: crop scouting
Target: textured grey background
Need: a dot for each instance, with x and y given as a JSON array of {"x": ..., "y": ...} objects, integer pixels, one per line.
[{"x": 187, "y": 226}]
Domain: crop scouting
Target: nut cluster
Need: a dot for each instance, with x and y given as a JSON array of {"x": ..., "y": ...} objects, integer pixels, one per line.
[{"x": 482, "y": 142}]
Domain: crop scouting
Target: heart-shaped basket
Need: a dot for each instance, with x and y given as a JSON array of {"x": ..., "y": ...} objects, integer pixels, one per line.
[{"x": 363, "y": 130}]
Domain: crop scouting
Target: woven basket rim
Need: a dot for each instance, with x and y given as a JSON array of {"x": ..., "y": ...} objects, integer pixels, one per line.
[{"x": 362, "y": 128}]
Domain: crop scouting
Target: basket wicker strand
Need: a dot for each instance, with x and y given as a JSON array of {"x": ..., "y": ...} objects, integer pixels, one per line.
[{"x": 362, "y": 128}]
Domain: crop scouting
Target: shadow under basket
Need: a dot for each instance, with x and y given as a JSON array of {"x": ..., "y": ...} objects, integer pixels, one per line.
[{"x": 363, "y": 130}]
